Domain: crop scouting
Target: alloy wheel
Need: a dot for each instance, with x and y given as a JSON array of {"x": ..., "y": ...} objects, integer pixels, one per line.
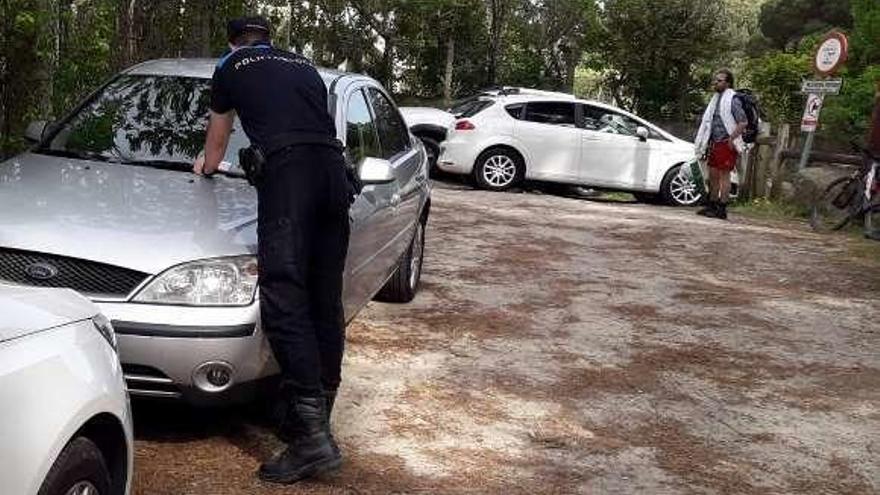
[
  {"x": 499, "y": 171},
  {"x": 83, "y": 488},
  {"x": 684, "y": 190}
]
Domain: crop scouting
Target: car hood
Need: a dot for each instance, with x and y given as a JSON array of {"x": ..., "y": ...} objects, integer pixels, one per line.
[
  {"x": 136, "y": 217},
  {"x": 426, "y": 115},
  {"x": 27, "y": 310}
]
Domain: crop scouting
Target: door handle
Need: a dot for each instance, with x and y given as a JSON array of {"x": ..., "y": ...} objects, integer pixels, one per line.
[{"x": 395, "y": 200}]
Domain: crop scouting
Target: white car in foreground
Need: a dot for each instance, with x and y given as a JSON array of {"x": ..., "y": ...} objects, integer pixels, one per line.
[
  {"x": 65, "y": 422},
  {"x": 511, "y": 138}
]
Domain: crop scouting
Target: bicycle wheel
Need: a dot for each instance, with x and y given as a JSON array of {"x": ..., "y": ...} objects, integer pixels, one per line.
[{"x": 834, "y": 208}]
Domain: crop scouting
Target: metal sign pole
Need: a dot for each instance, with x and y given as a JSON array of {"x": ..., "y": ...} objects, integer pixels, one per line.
[{"x": 808, "y": 148}]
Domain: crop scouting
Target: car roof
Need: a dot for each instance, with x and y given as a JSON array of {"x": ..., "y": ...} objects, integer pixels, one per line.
[{"x": 203, "y": 68}]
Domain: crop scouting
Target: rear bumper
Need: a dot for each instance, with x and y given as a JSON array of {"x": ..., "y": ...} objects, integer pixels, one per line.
[
  {"x": 456, "y": 157},
  {"x": 202, "y": 355}
]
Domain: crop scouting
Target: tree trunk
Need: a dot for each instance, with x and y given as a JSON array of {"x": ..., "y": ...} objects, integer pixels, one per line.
[
  {"x": 496, "y": 29},
  {"x": 447, "y": 79}
]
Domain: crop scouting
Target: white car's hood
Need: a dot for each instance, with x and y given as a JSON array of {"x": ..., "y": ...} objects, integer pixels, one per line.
[{"x": 25, "y": 310}]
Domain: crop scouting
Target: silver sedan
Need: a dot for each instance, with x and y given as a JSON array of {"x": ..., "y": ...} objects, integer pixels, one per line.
[{"x": 105, "y": 204}]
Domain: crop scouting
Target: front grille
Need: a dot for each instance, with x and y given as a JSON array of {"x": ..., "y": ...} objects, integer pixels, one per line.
[{"x": 48, "y": 270}]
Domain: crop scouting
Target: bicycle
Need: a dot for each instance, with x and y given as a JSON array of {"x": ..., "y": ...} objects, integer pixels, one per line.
[{"x": 851, "y": 198}]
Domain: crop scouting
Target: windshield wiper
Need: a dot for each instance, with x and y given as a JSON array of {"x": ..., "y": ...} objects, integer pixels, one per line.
[
  {"x": 79, "y": 155},
  {"x": 180, "y": 166}
]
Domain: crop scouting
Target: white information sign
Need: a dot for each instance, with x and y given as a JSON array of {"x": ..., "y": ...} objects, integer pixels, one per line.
[{"x": 826, "y": 87}]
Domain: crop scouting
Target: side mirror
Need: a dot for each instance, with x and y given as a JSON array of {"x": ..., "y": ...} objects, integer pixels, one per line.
[
  {"x": 35, "y": 130},
  {"x": 376, "y": 171},
  {"x": 642, "y": 133}
]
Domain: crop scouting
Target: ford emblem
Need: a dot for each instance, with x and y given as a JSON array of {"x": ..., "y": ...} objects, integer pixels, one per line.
[{"x": 41, "y": 271}]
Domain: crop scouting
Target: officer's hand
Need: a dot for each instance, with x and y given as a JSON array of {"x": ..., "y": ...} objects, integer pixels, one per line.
[{"x": 199, "y": 164}]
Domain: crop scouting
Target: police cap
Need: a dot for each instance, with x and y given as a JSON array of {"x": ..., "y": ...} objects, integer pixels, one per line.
[{"x": 241, "y": 25}]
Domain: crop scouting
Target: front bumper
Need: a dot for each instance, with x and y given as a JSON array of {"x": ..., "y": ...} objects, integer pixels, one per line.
[{"x": 203, "y": 355}]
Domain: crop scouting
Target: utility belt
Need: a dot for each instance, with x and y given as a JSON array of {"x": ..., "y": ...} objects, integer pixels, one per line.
[{"x": 253, "y": 159}]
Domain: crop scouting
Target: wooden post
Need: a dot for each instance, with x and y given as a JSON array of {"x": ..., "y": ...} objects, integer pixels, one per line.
[
  {"x": 776, "y": 169},
  {"x": 763, "y": 155}
]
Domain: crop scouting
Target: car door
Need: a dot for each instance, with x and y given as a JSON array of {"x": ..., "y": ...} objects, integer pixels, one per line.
[
  {"x": 371, "y": 211},
  {"x": 547, "y": 129},
  {"x": 408, "y": 169},
  {"x": 612, "y": 154}
]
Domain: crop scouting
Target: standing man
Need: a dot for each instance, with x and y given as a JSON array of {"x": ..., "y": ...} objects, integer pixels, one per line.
[
  {"x": 302, "y": 227},
  {"x": 719, "y": 141}
]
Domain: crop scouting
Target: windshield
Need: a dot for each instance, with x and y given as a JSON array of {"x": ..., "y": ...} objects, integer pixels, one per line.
[{"x": 150, "y": 120}]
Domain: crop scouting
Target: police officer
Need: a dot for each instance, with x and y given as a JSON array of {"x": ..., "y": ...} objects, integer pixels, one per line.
[{"x": 303, "y": 230}]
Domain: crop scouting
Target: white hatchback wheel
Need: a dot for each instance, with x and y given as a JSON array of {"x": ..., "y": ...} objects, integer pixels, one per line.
[
  {"x": 684, "y": 191},
  {"x": 497, "y": 170}
]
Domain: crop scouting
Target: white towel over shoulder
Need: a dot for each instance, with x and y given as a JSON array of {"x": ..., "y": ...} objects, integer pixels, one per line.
[{"x": 702, "y": 140}]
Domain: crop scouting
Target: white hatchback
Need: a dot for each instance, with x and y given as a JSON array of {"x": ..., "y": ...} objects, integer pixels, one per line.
[
  {"x": 65, "y": 420},
  {"x": 506, "y": 139}
]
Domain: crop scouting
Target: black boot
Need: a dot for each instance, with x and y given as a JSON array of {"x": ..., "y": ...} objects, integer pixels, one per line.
[
  {"x": 312, "y": 451},
  {"x": 710, "y": 210},
  {"x": 721, "y": 211}
]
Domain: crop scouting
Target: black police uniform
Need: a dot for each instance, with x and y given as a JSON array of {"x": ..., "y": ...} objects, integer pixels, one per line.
[{"x": 304, "y": 198}]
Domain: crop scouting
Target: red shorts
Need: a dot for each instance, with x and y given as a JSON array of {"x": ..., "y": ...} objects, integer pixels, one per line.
[{"x": 722, "y": 156}]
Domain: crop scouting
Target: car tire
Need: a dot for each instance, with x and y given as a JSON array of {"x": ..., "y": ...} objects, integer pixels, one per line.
[
  {"x": 498, "y": 169},
  {"x": 432, "y": 148},
  {"x": 675, "y": 192},
  {"x": 80, "y": 468},
  {"x": 404, "y": 283}
]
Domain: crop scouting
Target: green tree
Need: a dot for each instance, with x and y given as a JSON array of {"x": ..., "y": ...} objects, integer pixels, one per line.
[
  {"x": 654, "y": 53},
  {"x": 785, "y": 22}
]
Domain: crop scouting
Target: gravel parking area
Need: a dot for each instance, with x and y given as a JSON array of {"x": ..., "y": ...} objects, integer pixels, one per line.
[{"x": 564, "y": 345}]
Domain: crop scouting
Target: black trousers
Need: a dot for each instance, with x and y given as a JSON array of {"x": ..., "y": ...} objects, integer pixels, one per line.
[{"x": 303, "y": 232}]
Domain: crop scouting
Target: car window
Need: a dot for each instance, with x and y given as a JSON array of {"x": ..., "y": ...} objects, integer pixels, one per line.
[
  {"x": 515, "y": 110},
  {"x": 361, "y": 139},
  {"x": 392, "y": 131},
  {"x": 550, "y": 112},
  {"x": 604, "y": 120},
  {"x": 472, "y": 108},
  {"x": 141, "y": 119}
]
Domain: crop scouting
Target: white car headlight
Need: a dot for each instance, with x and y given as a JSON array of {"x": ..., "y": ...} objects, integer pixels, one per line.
[{"x": 228, "y": 281}]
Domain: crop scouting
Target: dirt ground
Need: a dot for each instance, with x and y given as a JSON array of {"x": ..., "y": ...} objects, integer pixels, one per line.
[{"x": 562, "y": 345}]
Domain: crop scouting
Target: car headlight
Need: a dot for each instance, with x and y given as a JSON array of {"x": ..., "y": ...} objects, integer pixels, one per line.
[
  {"x": 102, "y": 324},
  {"x": 228, "y": 281}
]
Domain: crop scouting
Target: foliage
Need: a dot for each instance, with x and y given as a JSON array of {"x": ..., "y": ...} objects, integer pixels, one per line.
[
  {"x": 655, "y": 58},
  {"x": 785, "y": 22},
  {"x": 777, "y": 78},
  {"x": 653, "y": 53}
]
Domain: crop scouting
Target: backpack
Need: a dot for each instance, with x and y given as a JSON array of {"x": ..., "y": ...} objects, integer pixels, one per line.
[{"x": 749, "y": 104}]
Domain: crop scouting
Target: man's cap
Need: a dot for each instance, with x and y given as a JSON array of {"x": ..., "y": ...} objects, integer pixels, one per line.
[{"x": 241, "y": 25}]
